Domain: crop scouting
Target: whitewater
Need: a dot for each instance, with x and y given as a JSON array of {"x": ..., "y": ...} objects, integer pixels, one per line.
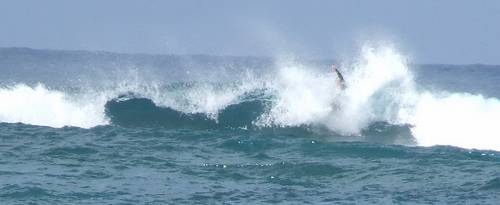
[
  {"x": 85, "y": 127},
  {"x": 380, "y": 88}
]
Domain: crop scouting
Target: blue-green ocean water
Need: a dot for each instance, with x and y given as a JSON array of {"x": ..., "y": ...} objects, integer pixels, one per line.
[
  {"x": 135, "y": 145},
  {"x": 115, "y": 165}
]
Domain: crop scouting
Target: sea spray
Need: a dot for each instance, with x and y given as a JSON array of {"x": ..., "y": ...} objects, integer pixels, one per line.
[
  {"x": 379, "y": 84},
  {"x": 39, "y": 105},
  {"x": 380, "y": 88},
  {"x": 302, "y": 97}
]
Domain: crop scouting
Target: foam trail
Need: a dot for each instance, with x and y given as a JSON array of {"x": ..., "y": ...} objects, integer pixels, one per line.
[
  {"x": 458, "y": 119},
  {"x": 381, "y": 88},
  {"x": 41, "y": 106}
]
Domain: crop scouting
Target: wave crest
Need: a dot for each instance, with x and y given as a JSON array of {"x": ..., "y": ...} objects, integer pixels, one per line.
[{"x": 380, "y": 88}]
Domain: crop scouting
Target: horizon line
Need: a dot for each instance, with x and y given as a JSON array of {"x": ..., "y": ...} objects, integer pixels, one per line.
[{"x": 210, "y": 55}]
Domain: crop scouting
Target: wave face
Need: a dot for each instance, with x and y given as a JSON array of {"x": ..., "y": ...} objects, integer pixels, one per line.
[
  {"x": 383, "y": 95},
  {"x": 144, "y": 112}
]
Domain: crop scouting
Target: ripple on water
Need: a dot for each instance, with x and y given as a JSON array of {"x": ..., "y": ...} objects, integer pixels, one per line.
[{"x": 21, "y": 192}]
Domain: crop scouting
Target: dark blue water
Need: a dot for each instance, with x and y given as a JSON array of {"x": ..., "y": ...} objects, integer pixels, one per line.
[{"x": 149, "y": 153}]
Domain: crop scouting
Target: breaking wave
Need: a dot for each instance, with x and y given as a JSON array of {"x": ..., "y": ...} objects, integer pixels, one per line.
[{"x": 381, "y": 91}]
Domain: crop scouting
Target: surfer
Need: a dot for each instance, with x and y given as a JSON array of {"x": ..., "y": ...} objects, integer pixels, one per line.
[{"x": 340, "y": 78}]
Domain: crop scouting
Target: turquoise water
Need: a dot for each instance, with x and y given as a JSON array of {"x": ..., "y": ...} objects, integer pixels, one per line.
[
  {"x": 103, "y": 128},
  {"x": 111, "y": 164}
]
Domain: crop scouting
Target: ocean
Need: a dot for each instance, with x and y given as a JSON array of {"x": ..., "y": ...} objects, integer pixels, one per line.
[{"x": 85, "y": 127}]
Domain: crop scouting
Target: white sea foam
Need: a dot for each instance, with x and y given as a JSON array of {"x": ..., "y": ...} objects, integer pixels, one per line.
[
  {"x": 375, "y": 84},
  {"x": 302, "y": 97},
  {"x": 458, "y": 119},
  {"x": 204, "y": 98},
  {"x": 380, "y": 87},
  {"x": 41, "y": 106},
  {"x": 437, "y": 118}
]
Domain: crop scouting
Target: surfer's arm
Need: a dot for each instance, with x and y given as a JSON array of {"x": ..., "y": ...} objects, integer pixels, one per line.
[{"x": 340, "y": 78}]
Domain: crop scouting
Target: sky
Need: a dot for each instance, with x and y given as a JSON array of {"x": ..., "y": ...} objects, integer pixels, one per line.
[{"x": 427, "y": 31}]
